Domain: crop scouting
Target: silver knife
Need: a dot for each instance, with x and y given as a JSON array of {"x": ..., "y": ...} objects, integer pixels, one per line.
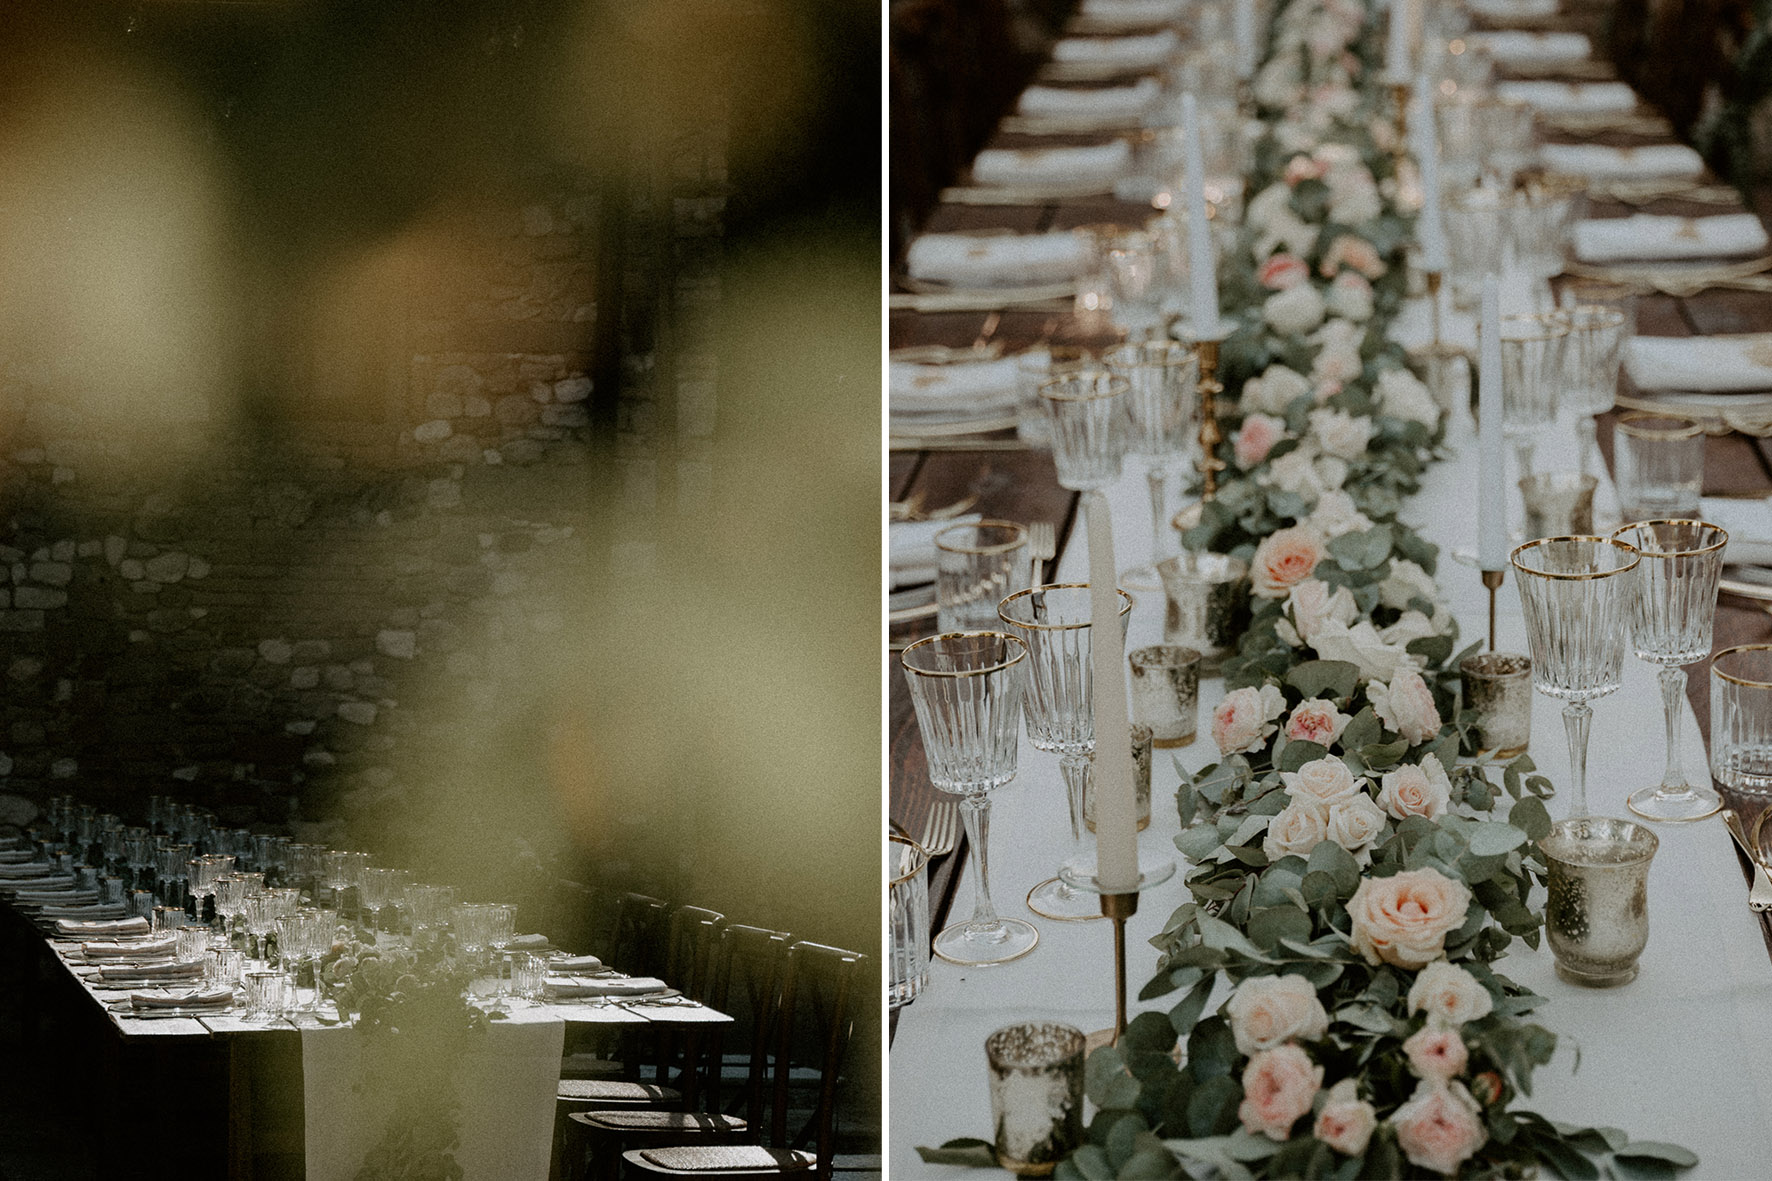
[{"x": 1759, "y": 895}]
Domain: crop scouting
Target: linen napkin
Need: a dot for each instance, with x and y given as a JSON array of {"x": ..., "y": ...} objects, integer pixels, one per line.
[
  {"x": 1516, "y": 47},
  {"x": 219, "y": 998},
  {"x": 65, "y": 894},
  {"x": 35, "y": 869},
  {"x": 170, "y": 971},
  {"x": 528, "y": 943},
  {"x": 1130, "y": 13},
  {"x": 1598, "y": 161},
  {"x": 726, "y": 1158},
  {"x": 13, "y": 856},
  {"x": 1570, "y": 98},
  {"x": 964, "y": 385},
  {"x": 1140, "y": 51},
  {"x": 145, "y": 949},
  {"x": 911, "y": 547},
  {"x": 999, "y": 260},
  {"x": 625, "y": 986},
  {"x": 1653, "y": 237},
  {"x": 1749, "y": 525},
  {"x": 1088, "y": 164},
  {"x": 576, "y": 963},
  {"x": 1701, "y": 364},
  {"x": 1500, "y": 10},
  {"x": 113, "y": 928},
  {"x": 1091, "y": 102},
  {"x": 85, "y": 910}
]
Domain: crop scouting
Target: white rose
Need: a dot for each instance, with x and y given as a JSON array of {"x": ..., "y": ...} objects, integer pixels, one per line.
[
  {"x": 1311, "y": 604},
  {"x": 1422, "y": 790},
  {"x": 1449, "y": 995},
  {"x": 1406, "y": 580},
  {"x": 1355, "y": 824},
  {"x": 1296, "y": 472},
  {"x": 1279, "y": 83},
  {"x": 1245, "y": 718},
  {"x": 1285, "y": 231},
  {"x": 1336, "y": 514},
  {"x": 1406, "y": 705},
  {"x": 1273, "y": 202},
  {"x": 1361, "y": 645},
  {"x": 1341, "y": 434},
  {"x": 1321, "y": 783},
  {"x": 1413, "y": 625},
  {"x": 1274, "y": 390},
  {"x": 1351, "y": 297},
  {"x": 1295, "y": 830},
  {"x": 1269, "y": 1011},
  {"x": 1353, "y": 195},
  {"x": 1331, "y": 471},
  {"x": 1403, "y": 395},
  {"x": 1295, "y": 311}
]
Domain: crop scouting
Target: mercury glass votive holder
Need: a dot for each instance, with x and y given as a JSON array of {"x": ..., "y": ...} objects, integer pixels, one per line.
[
  {"x": 1207, "y": 603},
  {"x": 1141, "y": 781},
  {"x": 1036, "y": 1095},
  {"x": 1166, "y": 692},
  {"x": 1597, "y": 915},
  {"x": 1558, "y": 504},
  {"x": 1498, "y": 685}
]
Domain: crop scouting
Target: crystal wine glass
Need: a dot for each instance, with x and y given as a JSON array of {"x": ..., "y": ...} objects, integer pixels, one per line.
[
  {"x": 1675, "y": 611},
  {"x": 1590, "y": 361},
  {"x": 201, "y": 874},
  {"x": 966, "y": 688},
  {"x": 1577, "y": 593},
  {"x": 1531, "y": 375},
  {"x": 1162, "y": 401},
  {"x": 1054, "y": 622}
]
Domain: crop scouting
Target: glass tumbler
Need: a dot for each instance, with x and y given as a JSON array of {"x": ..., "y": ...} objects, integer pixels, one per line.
[
  {"x": 1660, "y": 465},
  {"x": 1741, "y": 720},
  {"x": 907, "y": 904},
  {"x": 269, "y": 995},
  {"x": 1590, "y": 363},
  {"x": 1090, "y": 429},
  {"x": 1531, "y": 380},
  {"x": 977, "y": 566}
]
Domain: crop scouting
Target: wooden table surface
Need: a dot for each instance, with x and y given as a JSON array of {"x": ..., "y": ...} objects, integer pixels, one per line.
[{"x": 1020, "y": 485}]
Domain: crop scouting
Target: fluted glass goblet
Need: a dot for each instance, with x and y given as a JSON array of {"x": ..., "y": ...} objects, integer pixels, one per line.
[
  {"x": 1531, "y": 378},
  {"x": 1059, "y": 704},
  {"x": 1090, "y": 428},
  {"x": 1671, "y": 625},
  {"x": 1163, "y": 412},
  {"x": 1577, "y": 594},
  {"x": 966, "y": 688}
]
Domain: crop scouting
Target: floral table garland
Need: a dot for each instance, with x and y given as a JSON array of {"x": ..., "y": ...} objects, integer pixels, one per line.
[{"x": 1350, "y": 879}]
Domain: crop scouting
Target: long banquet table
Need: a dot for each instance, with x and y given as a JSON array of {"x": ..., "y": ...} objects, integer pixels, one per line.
[{"x": 1677, "y": 1055}]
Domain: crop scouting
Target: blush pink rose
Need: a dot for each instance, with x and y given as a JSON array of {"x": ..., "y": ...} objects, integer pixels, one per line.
[
  {"x": 1404, "y": 919},
  {"x": 1439, "y": 1128},
  {"x": 1269, "y": 1011},
  {"x": 1436, "y": 1052},
  {"x": 1351, "y": 251},
  {"x": 1406, "y": 705},
  {"x": 1316, "y": 720},
  {"x": 1282, "y": 272},
  {"x": 1278, "y": 1087},
  {"x": 1346, "y": 1122},
  {"x": 1302, "y": 167},
  {"x": 1449, "y": 995},
  {"x": 1285, "y": 558},
  {"x": 1256, "y": 437},
  {"x": 1423, "y": 790},
  {"x": 1245, "y": 718}
]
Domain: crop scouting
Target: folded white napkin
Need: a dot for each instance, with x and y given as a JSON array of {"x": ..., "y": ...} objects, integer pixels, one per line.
[
  {"x": 1650, "y": 236},
  {"x": 1499, "y": 10},
  {"x": 1749, "y": 525},
  {"x": 1520, "y": 48},
  {"x": 624, "y": 986},
  {"x": 1088, "y": 164},
  {"x": 999, "y": 260},
  {"x": 575, "y": 963},
  {"x": 27, "y": 871},
  {"x": 169, "y": 971},
  {"x": 527, "y": 943},
  {"x": 1570, "y": 98},
  {"x": 84, "y": 910},
  {"x": 911, "y": 548},
  {"x": 142, "y": 949},
  {"x": 1136, "y": 52},
  {"x": 1701, "y": 364},
  {"x": 1090, "y": 102},
  {"x": 13, "y": 856},
  {"x": 130, "y": 926},
  {"x": 65, "y": 895},
  {"x": 219, "y": 998},
  {"x": 1133, "y": 12},
  {"x": 964, "y": 385},
  {"x": 1601, "y": 162}
]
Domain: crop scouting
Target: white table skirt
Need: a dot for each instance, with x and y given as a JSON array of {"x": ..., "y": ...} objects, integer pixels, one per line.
[{"x": 1683, "y": 1053}]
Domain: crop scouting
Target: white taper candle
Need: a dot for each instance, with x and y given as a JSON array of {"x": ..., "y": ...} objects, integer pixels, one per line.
[
  {"x": 1116, "y": 811},
  {"x": 1491, "y": 453},
  {"x": 1203, "y": 272}
]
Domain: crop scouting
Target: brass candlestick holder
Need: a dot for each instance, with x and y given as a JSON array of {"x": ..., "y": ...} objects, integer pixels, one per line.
[
  {"x": 1434, "y": 279},
  {"x": 1400, "y": 96},
  {"x": 1492, "y": 580},
  {"x": 1210, "y": 435},
  {"x": 1118, "y": 908}
]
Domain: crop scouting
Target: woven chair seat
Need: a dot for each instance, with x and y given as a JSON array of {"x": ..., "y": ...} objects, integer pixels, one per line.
[
  {"x": 671, "y": 1122},
  {"x": 589, "y": 1066},
  {"x": 735, "y": 1160},
  {"x": 596, "y": 1090}
]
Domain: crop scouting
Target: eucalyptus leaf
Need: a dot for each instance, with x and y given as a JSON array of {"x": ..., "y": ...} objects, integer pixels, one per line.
[
  {"x": 977, "y": 1154},
  {"x": 1334, "y": 679},
  {"x": 1492, "y": 839}
]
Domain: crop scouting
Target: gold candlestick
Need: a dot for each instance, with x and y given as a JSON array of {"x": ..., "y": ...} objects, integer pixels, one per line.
[
  {"x": 1433, "y": 294},
  {"x": 1210, "y": 435},
  {"x": 1119, "y": 908},
  {"x": 1492, "y": 580},
  {"x": 1400, "y": 96}
]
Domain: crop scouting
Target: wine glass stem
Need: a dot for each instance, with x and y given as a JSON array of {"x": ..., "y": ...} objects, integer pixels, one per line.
[
  {"x": 1078, "y": 770},
  {"x": 1673, "y": 689},
  {"x": 1157, "y": 478},
  {"x": 975, "y": 813},
  {"x": 1588, "y": 439},
  {"x": 1524, "y": 445},
  {"x": 1576, "y": 716}
]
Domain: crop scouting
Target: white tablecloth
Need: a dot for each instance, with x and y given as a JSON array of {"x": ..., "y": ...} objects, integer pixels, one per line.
[{"x": 1680, "y": 1054}]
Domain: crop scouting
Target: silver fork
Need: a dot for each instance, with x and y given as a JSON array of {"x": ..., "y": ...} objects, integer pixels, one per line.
[
  {"x": 1042, "y": 545},
  {"x": 941, "y": 830}
]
